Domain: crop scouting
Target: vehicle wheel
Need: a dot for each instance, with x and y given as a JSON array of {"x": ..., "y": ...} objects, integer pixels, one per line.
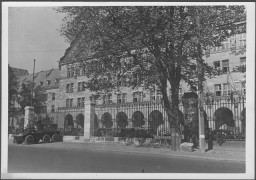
[
  {"x": 55, "y": 138},
  {"x": 46, "y": 138},
  {"x": 29, "y": 139}
]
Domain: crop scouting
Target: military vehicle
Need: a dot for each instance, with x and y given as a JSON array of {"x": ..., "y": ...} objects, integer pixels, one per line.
[{"x": 32, "y": 135}]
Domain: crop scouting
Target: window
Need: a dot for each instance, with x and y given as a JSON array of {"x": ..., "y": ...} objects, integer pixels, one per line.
[
  {"x": 67, "y": 87},
  {"x": 124, "y": 95},
  {"x": 242, "y": 40},
  {"x": 217, "y": 65},
  {"x": 69, "y": 72},
  {"x": 41, "y": 83},
  {"x": 107, "y": 99},
  {"x": 119, "y": 98},
  {"x": 80, "y": 102},
  {"x": 56, "y": 81},
  {"x": 70, "y": 87},
  {"x": 243, "y": 61},
  {"x": 81, "y": 86},
  {"x": 225, "y": 66},
  {"x": 156, "y": 95},
  {"x": 137, "y": 97},
  {"x": 83, "y": 71},
  {"x": 226, "y": 89},
  {"x": 69, "y": 102},
  {"x": 217, "y": 89},
  {"x": 53, "y": 108},
  {"x": 152, "y": 96},
  {"x": 110, "y": 98},
  {"x": 244, "y": 88},
  {"x": 48, "y": 82},
  {"x": 53, "y": 96},
  {"x": 225, "y": 45},
  {"x": 72, "y": 72}
]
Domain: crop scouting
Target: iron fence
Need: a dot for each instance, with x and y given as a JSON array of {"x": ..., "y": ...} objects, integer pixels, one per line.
[{"x": 224, "y": 118}]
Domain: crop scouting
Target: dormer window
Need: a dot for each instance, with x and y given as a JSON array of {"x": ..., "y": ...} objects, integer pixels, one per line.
[
  {"x": 56, "y": 81},
  {"x": 41, "y": 83},
  {"x": 48, "y": 82}
]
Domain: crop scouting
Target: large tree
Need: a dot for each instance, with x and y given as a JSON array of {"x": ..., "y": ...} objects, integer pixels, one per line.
[
  {"x": 149, "y": 46},
  {"x": 12, "y": 92},
  {"x": 39, "y": 98}
]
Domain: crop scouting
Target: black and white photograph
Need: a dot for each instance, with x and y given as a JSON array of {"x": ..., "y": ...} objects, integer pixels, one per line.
[{"x": 128, "y": 90}]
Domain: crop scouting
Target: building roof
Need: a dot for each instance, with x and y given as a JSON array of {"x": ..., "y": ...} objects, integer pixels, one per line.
[
  {"x": 75, "y": 47},
  {"x": 47, "y": 79},
  {"x": 19, "y": 72}
]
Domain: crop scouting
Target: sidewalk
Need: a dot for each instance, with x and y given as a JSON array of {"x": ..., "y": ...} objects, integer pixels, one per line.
[{"x": 232, "y": 151}]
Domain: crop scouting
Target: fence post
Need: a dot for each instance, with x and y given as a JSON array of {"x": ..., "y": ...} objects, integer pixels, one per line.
[{"x": 89, "y": 110}]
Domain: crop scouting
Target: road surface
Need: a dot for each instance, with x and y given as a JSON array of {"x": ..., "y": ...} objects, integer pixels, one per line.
[{"x": 35, "y": 159}]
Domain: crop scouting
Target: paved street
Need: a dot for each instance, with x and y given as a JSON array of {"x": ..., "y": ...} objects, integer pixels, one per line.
[{"x": 42, "y": 158}]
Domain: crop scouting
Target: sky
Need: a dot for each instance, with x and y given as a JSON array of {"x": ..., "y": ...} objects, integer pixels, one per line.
[{"x": 33, "y": 34}]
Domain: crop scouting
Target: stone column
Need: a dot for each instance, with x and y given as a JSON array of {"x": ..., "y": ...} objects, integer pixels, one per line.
[
  {"x": 29, "y": 116},
  {"x": 89, "y": 109}
]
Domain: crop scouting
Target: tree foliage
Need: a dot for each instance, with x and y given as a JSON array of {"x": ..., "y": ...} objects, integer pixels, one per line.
[
  {"x": 147, "y": 46},
  {"x": 25, "y": 95},
  {"x": 12, "y": 92}
]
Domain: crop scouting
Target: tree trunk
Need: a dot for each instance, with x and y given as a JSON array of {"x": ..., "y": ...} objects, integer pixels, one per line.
[{"x": 172, "y": 114}]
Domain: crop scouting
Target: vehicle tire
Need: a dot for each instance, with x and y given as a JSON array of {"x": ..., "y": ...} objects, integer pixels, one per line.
[
  {"x": 55, "y": 138},
  {"x": 46, "y": 138},
  {"x": 29, "y": 139}
]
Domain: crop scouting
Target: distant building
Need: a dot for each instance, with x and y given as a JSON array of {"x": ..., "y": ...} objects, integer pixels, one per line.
[{"x": 49, "y": 81}]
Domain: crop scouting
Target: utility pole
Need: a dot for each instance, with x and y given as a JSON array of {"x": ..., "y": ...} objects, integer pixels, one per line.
[
  {"x": 32, "y": 90},
  {"x": 200, "y": 91}
]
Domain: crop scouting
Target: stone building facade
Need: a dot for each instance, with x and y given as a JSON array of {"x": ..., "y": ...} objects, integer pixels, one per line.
[
  {"x": 226, "y": 86},
  {"x": 66, "y": 94}
]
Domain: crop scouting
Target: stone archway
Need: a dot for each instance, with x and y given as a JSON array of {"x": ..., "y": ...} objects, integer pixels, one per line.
[
  {"x": 155, "y": 119},
  {"x": 68, "y": 122},
  {"x": 223, "y": 118},
  {"x": 107, "y": 120},
  {"x": 122, "y": 120},
  {"x": 80, "y": 121},
  {"x": 138, "y": 119}
]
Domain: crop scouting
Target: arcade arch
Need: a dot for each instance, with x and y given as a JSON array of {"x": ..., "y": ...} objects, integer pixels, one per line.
[{"x": 223, "y": 116}]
